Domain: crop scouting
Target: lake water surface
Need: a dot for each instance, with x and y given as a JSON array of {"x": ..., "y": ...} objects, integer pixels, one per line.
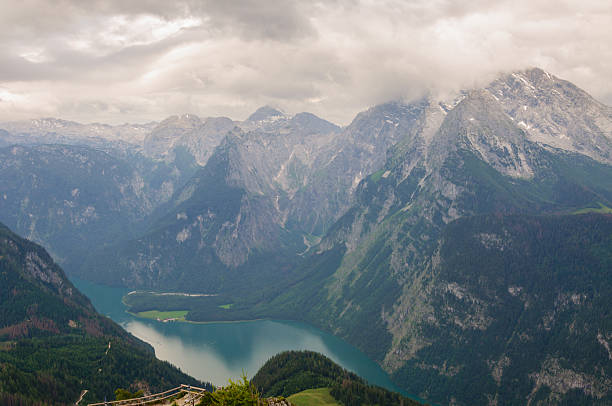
[{"x": 215, "y": 352}]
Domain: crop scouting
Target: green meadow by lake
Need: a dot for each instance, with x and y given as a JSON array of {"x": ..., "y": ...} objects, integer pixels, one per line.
[{"x": 215, "y": 352}]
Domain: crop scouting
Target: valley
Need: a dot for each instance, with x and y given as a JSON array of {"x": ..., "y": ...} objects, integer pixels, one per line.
[
  {"x": 458, "y": 243},
  {"x": 216, "y": 352}
]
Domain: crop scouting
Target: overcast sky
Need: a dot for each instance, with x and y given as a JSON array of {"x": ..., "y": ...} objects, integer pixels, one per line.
[{"x": 139, "y": 60}]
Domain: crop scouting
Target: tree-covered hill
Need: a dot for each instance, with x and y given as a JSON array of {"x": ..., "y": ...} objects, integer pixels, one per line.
[
  {"x": 521, "y": 308},
  {"x": 53, "y": 344},
  {"x": 294, "y": 371}
]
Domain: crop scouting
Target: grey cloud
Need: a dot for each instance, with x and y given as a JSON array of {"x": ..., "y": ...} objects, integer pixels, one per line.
[
  {"x": 253, "y": 19},
  {"x": 140, "y": 60}
]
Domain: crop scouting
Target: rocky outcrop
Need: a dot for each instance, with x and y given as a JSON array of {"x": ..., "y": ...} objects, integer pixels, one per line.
[
  {"x": 555, "y": 112},
  {"x": 276, "y": 402}
]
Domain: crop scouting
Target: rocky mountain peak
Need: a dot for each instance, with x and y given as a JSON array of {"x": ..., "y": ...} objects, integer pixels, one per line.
[
  {"x": 50, "y": 122},
  {"x": 57, "y": 131},
  {"x": 390, "y": 111},
  {"x": 183, "y": 121},
  {"x": 555, "y": 112},
  {"x": 265, "y": 113},
  {"x": 478, "y": 123},
  {"x": 386, "y": 124},
  {"x": 39, "y": 125},
  {"x": 480, "y": 108},
  {"x": 538, "y": 77},
  {"x": 218, "y": 123},
  {"x": 164, "y": 136},
  {"x": 313, "y": 124}
]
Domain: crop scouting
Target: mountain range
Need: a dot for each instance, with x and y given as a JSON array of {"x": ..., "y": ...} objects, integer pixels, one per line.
[{"x": 465, "y": 244}]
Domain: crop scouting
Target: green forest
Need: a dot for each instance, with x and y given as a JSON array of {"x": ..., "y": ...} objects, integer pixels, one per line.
[
  {"x": 53, "y": 344},
  {"x": 291, "y": 372},
  {"x": 535, "y": 292}
]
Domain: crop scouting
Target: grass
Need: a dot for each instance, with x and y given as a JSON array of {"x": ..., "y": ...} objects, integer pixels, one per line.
[
  {"x": 179, "y": 315},
  {"x": 312, "y": 239},
  {"x": 226, "y": 306},
  {"x": 377, "y": 175},
  {"x": 602, "y": 209},
  {"x": 7, "y": 345},
  {"x": 313, "y": 397}
]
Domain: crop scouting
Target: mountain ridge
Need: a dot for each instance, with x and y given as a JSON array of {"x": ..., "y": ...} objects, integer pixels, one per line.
[{"x": 343, "y": 227}]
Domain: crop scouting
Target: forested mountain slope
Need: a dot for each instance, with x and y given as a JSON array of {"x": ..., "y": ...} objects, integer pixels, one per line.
[
  {"x": 53, "y": 344},
  {"x": 519, "y": 306}
]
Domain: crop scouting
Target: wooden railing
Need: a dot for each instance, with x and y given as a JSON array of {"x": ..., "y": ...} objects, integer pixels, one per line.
[{"x": 156, "y": 397}]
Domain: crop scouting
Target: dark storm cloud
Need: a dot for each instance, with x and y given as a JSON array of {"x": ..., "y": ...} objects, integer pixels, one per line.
[{"x": 141, "y": 60}]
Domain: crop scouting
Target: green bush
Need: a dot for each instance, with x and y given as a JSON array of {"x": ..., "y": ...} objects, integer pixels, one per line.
[
  {"x": 124, "y": 394},
  {"x": 236, "y": 393}
]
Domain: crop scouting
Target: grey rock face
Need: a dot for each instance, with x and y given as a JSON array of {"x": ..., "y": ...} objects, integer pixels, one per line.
[
  {"x": 237, "y": 204},
  {"x": 555, "y": 112},
  {"x": 164, "y": 136},
  {"x": 478, "y": 123},
  {"x": 202, "y": 142},
  {"x": 75, "y": 198},
  {"x": 265, "y": 113},
  {"x": 55, "y": 131},
  {"x": 360, "y": 149},
  {"x": 199, "y": 137},
  {"x": 295, "y": 173}
]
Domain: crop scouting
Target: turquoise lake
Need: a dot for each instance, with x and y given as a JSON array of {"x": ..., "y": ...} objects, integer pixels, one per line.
[{"x": 215, "y": 352}]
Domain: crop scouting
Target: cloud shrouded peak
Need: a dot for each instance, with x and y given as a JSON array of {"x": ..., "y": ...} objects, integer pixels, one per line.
[
  {"x": 265, "y": 112},
  {"x": 117, "y": 61}
]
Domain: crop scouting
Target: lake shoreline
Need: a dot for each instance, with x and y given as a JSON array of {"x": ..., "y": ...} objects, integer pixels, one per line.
[
  {"x": 216, "y": 350},
  {"x": 204, "y": 322}
]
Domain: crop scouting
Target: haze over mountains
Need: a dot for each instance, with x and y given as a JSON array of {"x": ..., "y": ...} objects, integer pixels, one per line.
[{"x": 417, "y": 232}]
